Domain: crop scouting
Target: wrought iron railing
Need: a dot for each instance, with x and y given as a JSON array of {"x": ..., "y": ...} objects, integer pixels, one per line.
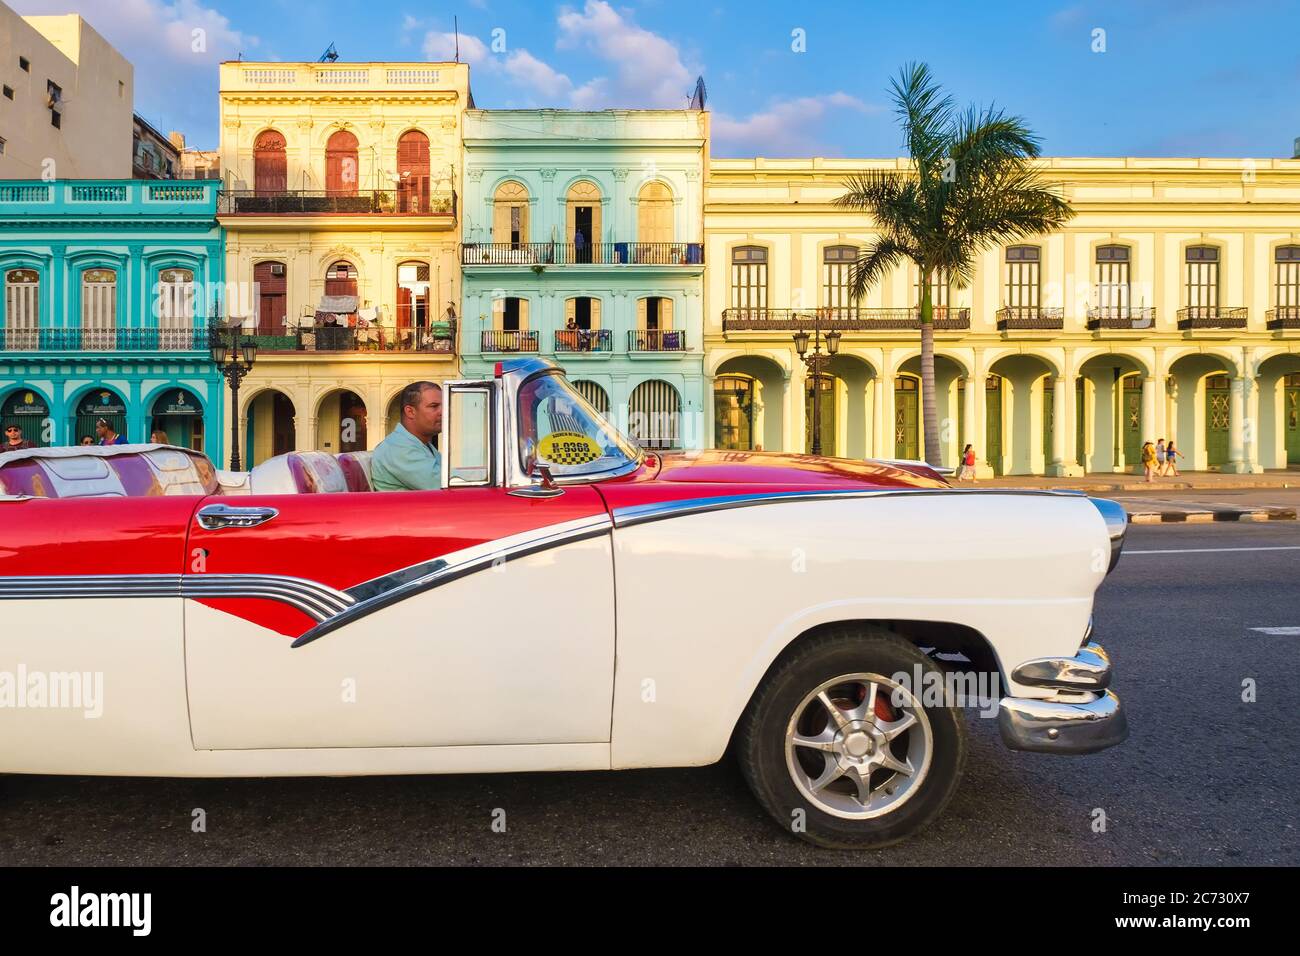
[
  {"x": 494, "y": 341},
  {"x": 193, "y": 338},
  {"x": 1122, "y": 317},
  {"x": 583, "y": 340},
  {"x": 579, "y": 253},
  {"x": 656, "y": 340},
  {"x": 1029, "y": 318},
  {"x": 1282, "y": 317},
  {"x": 1212, "y": 317},
  {"x": 436, "y": 337},
  {"x": 946, "y": 319},
  {"x": 361, "y": 202}
]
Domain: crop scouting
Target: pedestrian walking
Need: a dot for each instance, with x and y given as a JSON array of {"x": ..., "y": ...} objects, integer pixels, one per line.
[
  {"x": 1172, "y": 455},
  {"x": 1148, "y": 460},
  {"x": 1160, "y": 457},
  {"x": 966, "y": 467}
]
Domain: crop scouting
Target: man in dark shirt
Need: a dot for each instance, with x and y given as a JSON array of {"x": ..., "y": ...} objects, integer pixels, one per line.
[
  {"x": 13, "y": 440},
  {"x": 106, "y": 434}
]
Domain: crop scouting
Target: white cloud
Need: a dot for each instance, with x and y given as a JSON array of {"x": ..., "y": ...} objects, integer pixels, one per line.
[
  {"x": 649, "y": 71},
  {"x": 786, "y": 128},
  {"x": 441, "y": 47},
  {"x": 532, "y": 74}
]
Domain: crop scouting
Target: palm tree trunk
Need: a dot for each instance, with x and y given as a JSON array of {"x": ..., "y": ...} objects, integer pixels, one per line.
[{"x": 929, "y": 410}]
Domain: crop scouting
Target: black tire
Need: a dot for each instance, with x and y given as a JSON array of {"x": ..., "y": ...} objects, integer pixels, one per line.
[{"x": 761, "y": 738}]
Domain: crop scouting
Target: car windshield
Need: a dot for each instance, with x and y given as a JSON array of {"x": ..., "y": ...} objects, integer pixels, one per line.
[{"x": 560, "y": 429}]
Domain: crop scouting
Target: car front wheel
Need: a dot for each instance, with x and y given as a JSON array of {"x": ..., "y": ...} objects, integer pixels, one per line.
[{"x": 839, "y": 745}]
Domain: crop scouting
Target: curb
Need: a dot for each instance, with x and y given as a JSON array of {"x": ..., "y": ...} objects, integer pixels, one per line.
[{"x": 1206, "y": 517}]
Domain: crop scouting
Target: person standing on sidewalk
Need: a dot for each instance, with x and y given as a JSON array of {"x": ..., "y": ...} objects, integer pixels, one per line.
[
  {"x": 1160, "y": 457},
  {"x": 1148, "y": 460},
  {"x": 1172, "y": 455}
]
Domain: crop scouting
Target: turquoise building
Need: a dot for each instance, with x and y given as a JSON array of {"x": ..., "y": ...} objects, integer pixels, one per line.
[
  {"x": 109, "y": 286},
  {"x": 582, "y": 241}
]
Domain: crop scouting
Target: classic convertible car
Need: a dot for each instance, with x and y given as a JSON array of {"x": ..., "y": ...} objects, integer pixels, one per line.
[{"x": 568, "y": 601}]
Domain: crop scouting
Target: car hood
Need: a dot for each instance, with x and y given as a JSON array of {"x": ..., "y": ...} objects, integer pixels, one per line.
[{"x": 769, "y": 467}]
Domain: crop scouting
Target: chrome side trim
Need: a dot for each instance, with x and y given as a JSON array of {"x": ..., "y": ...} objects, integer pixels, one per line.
[
  {"x": 318, "y": 601},
  {"x": 382, "y": 592},
  {"x": 639, "y": 514},
  {"x": 1087, "y": 670},
  {"x": 219, "y": 517}
]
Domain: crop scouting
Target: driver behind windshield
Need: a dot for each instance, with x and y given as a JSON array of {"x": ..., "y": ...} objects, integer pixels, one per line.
[{"x": 406, "y": 460}]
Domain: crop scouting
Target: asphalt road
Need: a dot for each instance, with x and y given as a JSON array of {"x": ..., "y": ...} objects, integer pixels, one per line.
[{"x": 1204, "y": 779}]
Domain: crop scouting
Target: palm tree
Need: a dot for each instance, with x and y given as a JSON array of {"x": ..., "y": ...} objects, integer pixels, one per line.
[{"x": 972, "y": 186}]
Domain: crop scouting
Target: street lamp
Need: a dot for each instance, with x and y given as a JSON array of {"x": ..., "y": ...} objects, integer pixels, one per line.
[
  {"x": 233, "y": 357},
  {"x": 816, "y": 360}
]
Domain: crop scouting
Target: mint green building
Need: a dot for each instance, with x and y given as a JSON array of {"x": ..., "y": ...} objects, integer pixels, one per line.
[{"x": 582, "y": 241}]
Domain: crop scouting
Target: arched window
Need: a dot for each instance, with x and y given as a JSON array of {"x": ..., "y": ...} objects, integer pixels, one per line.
[
  {"x": 1113, "y": 278},
  {"x": 176, "y": 308},
  {"x": 22, "y": 308},
  {"x": 341, "y": 279},
  {"x": 270, "y": 167},
  {"x": 654, "y": 213},
  {"x": 582, "y": 222},
  {"x": 99, "y": 309},
  {"x": 749, "y": 278},
  {"x": 593, "y": 393},
  {"x": 733, "y": 412},
  {"x": 654, "y": 415},
  {"x": 510, "y": 214},
  {"x": 1286, "y": 287},
  {"x": 1024, "y": 278},
  {"x": 341, "y": 169},
  {"x": 413, "y": 172},
  {"x": 1202, "y": 288},
  {"x": 270, "y": 287},
  {"x": 837, "y": 264}
]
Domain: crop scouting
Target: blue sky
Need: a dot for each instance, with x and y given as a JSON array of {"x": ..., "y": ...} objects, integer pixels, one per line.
[{"x": 1094, "y": 78}]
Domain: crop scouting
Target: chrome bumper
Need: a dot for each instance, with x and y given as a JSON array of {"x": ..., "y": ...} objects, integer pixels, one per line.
[{"x": 1081, "y": 717}]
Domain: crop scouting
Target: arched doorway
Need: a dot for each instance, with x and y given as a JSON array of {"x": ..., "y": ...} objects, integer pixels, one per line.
[
  {"x": 594, "y": 394},
  {"x": 1291, "y": 418},
  {"x": 30, "y": 412},
  {"x": 413, "y": 172},
  {"x": 412, "y": 299},
  {"x": 270, "y": 166},
  {"x": 270, "y": 429},
  {"x": 764, "y": 406},
  {"x": 582, "y": 224},
  {"x": 22, "y": 319},
  {"x": 178, "y": 413},
  {"x": 341, "y": 164},
  {"x": 1218, "y": 417},
  {"x": 105, "y": 403},
  {"x": 654, "y": 220},
  {"x": 733, "y": 412},
  {"x": 654, "y": 415},
  {"x": 907, "y": 417},
  {"x": 270, "y": 288}
]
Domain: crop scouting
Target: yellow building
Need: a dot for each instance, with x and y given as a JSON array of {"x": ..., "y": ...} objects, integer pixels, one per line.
[
  {"x": 340, "y": 207},
  {"x": 1169, "y": 307}
]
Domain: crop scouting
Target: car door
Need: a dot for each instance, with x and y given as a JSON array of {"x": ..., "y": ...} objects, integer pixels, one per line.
[{"x": 461, "y": 617}]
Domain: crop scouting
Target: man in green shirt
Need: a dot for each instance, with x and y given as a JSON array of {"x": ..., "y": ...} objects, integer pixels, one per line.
[{"x": 406, "y": 460}]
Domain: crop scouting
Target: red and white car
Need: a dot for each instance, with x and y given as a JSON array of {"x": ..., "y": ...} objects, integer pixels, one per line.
[{"x": 566, "y": 602}]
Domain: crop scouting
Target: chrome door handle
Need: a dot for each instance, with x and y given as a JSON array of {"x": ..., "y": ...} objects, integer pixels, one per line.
[{"x": 216, "y": 517}]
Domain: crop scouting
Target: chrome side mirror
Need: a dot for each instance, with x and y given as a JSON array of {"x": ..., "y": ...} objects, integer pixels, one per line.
[{"x": 546, "y": 488}]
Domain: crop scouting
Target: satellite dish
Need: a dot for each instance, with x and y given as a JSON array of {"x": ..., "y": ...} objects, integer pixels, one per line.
[
  {"x": 329, "y": 56},
  {"x": 698, "y": 97}
]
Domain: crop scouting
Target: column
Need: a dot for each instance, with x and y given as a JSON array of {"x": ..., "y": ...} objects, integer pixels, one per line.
[
  {"x": 1253, "y": 424},
  {"x": 1056, "y": 454},
  {"x": 1067, "y": 417},
  {"x": 1236, "y": 463},
  {"x": 877, "y": 445},
  {"x": 888, "y": 446},
  {"x": 983, "y": 467},
  {"x": 1150, "y": 430},
  {"x": 968, "y": 412},
  {"x": 709, "y": 413},
  {"x": 792, "y": 393}
]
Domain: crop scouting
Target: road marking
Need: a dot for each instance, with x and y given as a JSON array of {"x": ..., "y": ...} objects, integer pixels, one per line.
[
  {"x": 1278, "y": 631},
  {"x": 1213, "y": 550}
]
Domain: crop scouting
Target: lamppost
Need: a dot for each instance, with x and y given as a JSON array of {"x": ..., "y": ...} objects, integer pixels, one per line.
[
  {"x": 816, "y": 362},
  {"x": 234, "y": 358}
]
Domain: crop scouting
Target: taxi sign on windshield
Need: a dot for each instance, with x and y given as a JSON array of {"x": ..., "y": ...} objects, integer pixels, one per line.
[{"x": 569, "y": 448}]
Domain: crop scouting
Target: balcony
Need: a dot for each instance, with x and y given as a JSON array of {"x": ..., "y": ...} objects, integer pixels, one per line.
[
  {"x": 1282, "y": 318},
  {"x": 316, "y": 202},
  {"x": 94, "y": 199},
  {"x": 1030, "y": 318},
  {"x": 569, "y": 253},
  {"x": 584, "y": 341},
  {"x": 1196, "y": 317},
  {"x": 844, "y": 320},
  {"x": 438, "y": 338},
  {"x": 656, "y": 340},
  {"x": 1121, "y": 318},
  {"x": 190, "y": 338},
  {"x": 493, "y": 341}
]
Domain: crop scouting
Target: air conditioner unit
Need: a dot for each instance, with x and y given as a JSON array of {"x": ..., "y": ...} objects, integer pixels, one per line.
[{"x": 277, "y": 268}]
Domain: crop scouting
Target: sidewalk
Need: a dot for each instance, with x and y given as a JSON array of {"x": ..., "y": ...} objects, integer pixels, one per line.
[{"x": 1100, "y": 482}]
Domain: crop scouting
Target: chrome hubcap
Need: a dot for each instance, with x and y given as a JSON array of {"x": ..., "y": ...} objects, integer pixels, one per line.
[{"x": 859, "y": 746}]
